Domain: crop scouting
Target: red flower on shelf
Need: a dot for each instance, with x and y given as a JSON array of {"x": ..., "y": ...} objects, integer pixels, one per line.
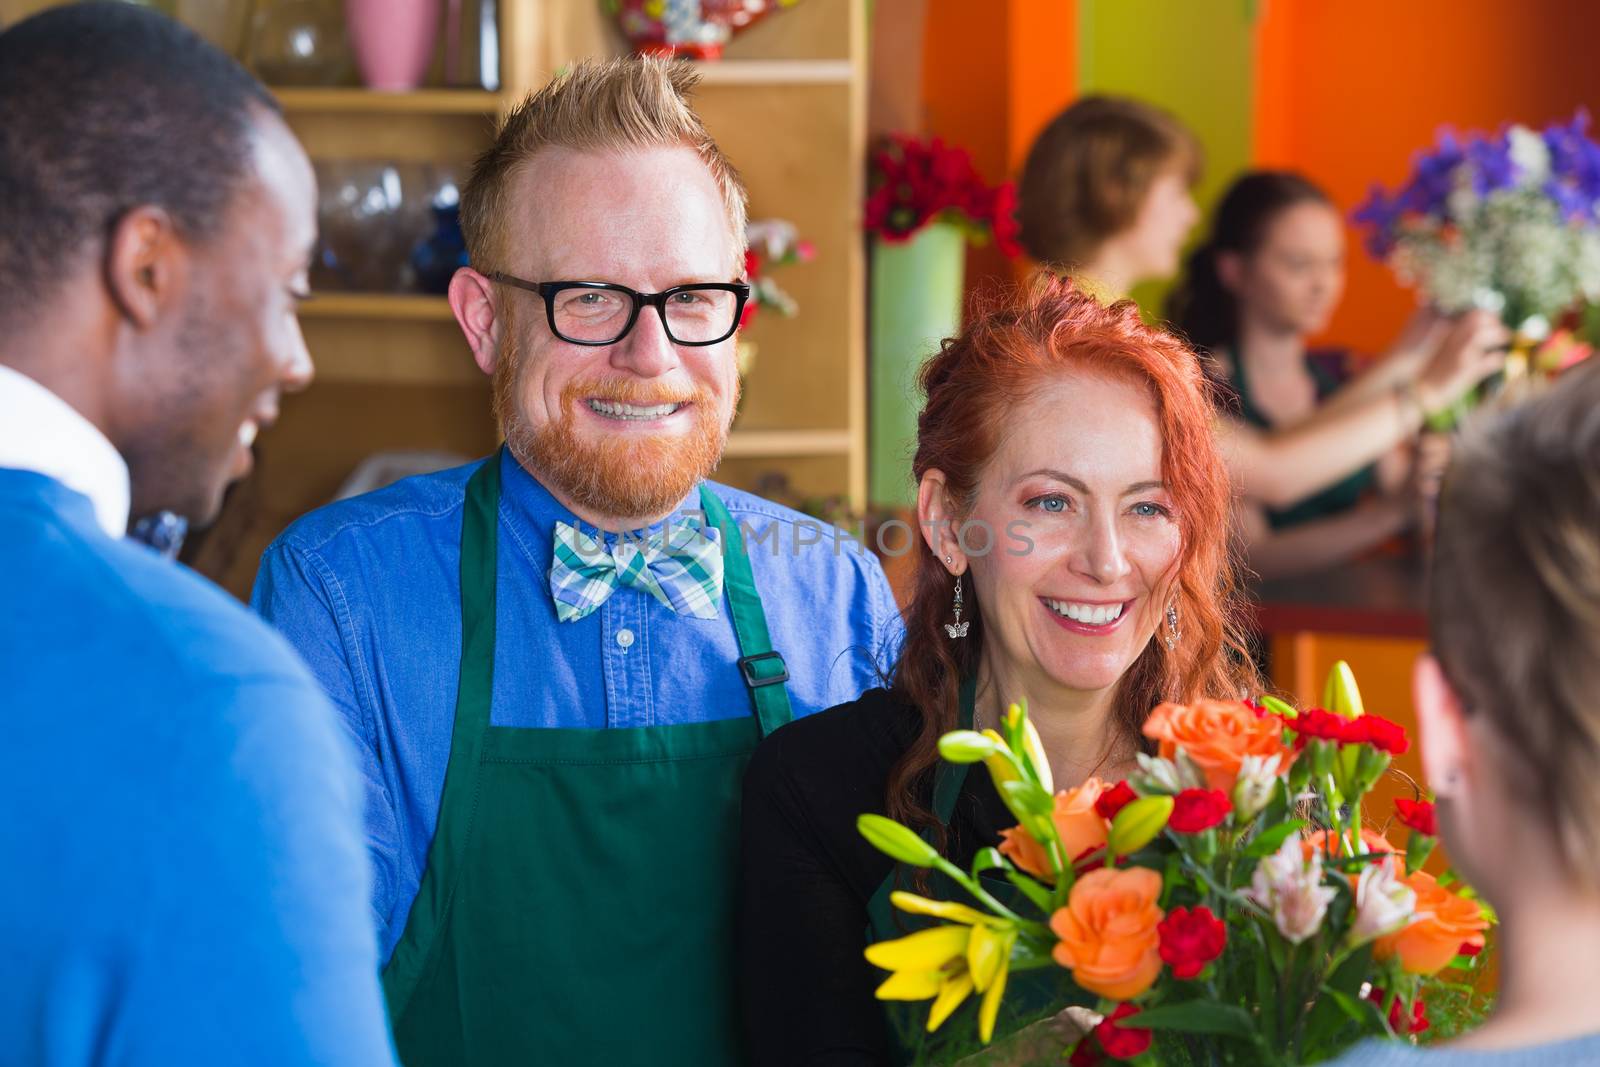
[
  {"x": 1194, "y": 810},
  {"x": 1397, "y": 1020},
  {"x": 1418, "y": 815},
  {"x": 1191, "y": 939},
  {"x": 1122, "y": 1042},
  {"x": 917, "y": 182},
  {"x": 1114, "y": 800}
]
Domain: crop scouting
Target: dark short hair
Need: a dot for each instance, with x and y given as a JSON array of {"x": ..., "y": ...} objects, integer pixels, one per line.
[
  {"x": 105, "y": 107},
  {"x": 1514, "y": 607}
]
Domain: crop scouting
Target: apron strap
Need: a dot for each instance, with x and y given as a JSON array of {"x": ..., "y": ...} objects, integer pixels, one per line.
[
  {"x": 949, "y": 777},
  {"x": 480, "y": 534},
  {"x": 763, "y": 669}
]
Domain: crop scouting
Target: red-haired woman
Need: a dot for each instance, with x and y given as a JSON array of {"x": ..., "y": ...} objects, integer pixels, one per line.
[{"x": 1074, "y": 511}]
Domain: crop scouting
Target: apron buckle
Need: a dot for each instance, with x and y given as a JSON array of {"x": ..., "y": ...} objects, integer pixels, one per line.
[{"x": 755, "y": 681}]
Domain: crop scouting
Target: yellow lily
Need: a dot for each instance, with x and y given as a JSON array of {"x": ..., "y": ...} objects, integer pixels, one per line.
[
  {"x": 1034, "y": 748},
  {"x": 947, "y": 963},
  {"x": 1001, "y": 769}
]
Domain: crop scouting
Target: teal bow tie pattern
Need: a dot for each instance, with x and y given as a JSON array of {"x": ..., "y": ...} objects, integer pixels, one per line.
[{"x": 680, "y": 565}]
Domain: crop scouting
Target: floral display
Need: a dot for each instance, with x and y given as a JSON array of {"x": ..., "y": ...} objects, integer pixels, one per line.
[
  {"x": 693, "y": 29},
  {"x": 915, "y": 183},
  {"x": 1226, "y": 904},
  {"x": 1509, "y": 223},
  {"x": 771, "y": 243}
]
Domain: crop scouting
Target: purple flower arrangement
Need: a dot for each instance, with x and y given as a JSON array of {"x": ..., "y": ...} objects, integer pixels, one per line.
[{"x": 1509, "y": 223}]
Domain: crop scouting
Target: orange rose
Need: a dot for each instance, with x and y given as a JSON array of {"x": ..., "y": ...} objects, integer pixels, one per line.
[
  {"x": 1080, "y": 826},
  {"x": 1323, "y": 841},
  {"x": 1108, "y": 931},
  {"x": 1217, "y": 735},
  {"x": 1445, "y": 922}
]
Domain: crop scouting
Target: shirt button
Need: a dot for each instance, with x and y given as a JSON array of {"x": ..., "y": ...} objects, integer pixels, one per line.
[{"x": 625, "y": 637}]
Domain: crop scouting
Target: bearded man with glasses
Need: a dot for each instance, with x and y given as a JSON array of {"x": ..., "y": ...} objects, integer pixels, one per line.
[{"x": 555, "y": 662}]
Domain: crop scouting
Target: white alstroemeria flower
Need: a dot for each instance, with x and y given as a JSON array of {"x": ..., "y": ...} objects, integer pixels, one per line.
[
  {"x": 1290, "y": 887},
  {"x": 1156, "y": 775},
  {"x": 1384, "y": 903},
  {"x": 1258, "y": 777},
  {"x": 1531, "y": 156}
]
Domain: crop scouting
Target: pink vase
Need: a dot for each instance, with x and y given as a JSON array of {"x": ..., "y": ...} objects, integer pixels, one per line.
[{"x": 392, "y": 40}]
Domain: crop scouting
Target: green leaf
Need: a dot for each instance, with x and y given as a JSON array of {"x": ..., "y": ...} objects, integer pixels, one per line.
[
  {"x": 1029, "y": 797},
  {"x": 1038, "y": 894},
  {"x": 987, "y": 860},
  {"x": 896, "y": 841},
  {"x": 1281, "y": 708},
  {"x": 1270, "y": 840},
  {"x": 1199, "y": 1016},
  {"x": 1365, "y": 1012}
]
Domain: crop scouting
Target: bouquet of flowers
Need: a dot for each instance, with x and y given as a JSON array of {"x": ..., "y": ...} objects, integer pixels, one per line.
[
  {"x": 1509, "y": 223},
  {"x": 1226, "y": 905},
  {"x": 917, "y": 182}
]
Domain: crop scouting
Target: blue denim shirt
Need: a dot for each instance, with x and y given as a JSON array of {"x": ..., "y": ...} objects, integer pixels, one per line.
[{"x": 368, "y": 591}]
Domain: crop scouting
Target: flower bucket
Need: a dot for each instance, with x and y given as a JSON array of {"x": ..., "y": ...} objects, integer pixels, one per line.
[{"x": 916, "y": 303}]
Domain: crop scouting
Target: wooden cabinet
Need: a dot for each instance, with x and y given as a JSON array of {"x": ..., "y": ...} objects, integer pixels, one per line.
[{"x": 787, "y": 104}]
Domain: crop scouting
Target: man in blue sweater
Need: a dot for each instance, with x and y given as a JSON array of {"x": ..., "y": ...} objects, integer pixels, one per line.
[{"x": 185, "y": 881}]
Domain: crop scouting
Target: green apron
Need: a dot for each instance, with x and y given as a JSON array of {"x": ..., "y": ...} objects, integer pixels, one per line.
[
  {"x": 1029, "y": 995},
  {"x": 578, "y": 902}
]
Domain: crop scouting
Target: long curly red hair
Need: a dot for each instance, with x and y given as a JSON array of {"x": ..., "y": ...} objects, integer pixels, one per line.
[{"x": 972, "y": 385}]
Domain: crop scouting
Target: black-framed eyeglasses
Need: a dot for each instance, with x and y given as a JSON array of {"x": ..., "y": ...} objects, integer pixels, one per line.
[{"x": 600, "y": 313}]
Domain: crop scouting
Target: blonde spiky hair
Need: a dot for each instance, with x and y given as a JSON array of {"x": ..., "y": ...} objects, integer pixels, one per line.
[{"x": 599, "y": 105}]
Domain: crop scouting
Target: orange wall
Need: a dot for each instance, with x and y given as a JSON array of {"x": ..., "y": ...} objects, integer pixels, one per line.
[
  {"x": 993, "y": 75},
  {"x": 1347, "y": 91}
]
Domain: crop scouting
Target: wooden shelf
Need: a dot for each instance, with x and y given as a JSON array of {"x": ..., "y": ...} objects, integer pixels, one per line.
[
  {"x": 410, "y": 307},
  {"x": 747, "y": 444},
  {"x": 365, "y": 101},
  {"x": 777, "y": 72}
]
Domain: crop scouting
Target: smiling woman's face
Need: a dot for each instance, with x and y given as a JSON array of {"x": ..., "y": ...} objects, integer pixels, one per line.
[{"x": 1079, "y": 576}]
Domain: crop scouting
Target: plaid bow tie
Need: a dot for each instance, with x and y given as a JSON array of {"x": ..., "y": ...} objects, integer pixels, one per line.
[{"x": 681, "y": 566}]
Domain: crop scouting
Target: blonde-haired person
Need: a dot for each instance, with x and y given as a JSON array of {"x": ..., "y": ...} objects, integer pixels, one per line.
[
  {"x": 554, "y": 663},
  {"x": 1105, "y": 196},
  {"x": 1510, "y": 724}
]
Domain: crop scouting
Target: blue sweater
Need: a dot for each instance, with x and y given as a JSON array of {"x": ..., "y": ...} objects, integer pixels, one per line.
[
  {"x": 1575, "y": 1052},
  {"x": 183, "y": 880}
]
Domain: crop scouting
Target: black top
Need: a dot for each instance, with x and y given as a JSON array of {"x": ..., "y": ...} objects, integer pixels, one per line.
[{"x": 808, "y": 875}]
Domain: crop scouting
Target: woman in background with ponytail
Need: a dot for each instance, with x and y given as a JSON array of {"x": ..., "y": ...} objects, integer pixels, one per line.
[{"x": 1271, "y": 275}]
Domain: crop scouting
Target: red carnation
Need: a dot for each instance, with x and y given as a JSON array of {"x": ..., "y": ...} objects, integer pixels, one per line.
[
  {"x": 1397, "y": 1022},
  {"x": 1417, "y": 814},
  {"x": 1383, "y": 735},
  {"x": 1469, "y": 948},
  {"x": 1321, "y": 724},
  {"x": 1114, "y": 800},
  {"x": 1085, "y": 1055},
  {"x": 1121, "y": 1043},
  {"x": 1194, "y": 810},
  {"x": 1191, "y": 939}
]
